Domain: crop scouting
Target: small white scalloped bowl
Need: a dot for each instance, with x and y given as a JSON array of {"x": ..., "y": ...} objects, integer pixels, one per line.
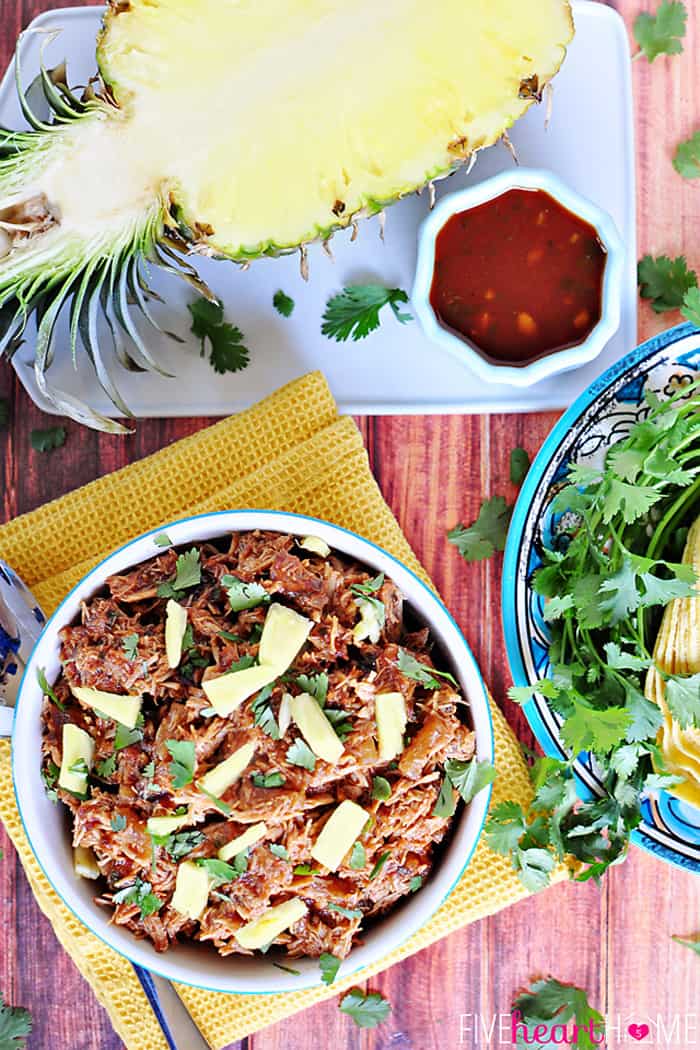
[
  {"x": 549, "y": 364},
  {"x": 46, "y": 825}
]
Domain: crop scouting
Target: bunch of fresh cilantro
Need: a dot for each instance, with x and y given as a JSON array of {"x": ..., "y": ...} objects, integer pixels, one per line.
[{"x": 615, "y": 564}]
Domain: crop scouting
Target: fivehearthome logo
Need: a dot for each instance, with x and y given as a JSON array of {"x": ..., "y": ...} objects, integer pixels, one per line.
[{"x": 615, "y": 1032}]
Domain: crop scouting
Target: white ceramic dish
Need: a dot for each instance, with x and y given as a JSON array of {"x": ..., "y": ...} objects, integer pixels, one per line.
[
  {"x": 46, "y": 824},
  {"x": 589, "y": 145},
  {"x": 552, "y": 364}
]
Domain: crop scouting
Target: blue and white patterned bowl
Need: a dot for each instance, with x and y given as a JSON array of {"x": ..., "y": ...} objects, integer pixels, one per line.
[{"x": 601, "y": 416}]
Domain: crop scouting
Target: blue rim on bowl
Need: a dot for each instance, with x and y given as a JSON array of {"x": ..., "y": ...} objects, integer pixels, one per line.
[
  {"x": 670, "y": 828},
  {"x": 551, "y": 364},
  {"x": 36, "y": 811}
]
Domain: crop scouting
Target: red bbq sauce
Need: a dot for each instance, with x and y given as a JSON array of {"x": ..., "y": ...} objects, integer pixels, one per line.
[{"x": 519, "y": 276}]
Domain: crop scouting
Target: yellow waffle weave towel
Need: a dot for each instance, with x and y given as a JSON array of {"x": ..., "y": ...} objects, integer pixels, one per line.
[{"x": 290, "y": 452}]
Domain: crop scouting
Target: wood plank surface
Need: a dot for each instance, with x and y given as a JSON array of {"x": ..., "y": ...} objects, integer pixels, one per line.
[{"x": 433, "y": 471}]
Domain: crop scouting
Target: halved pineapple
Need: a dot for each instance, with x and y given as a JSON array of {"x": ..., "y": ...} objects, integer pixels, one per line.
[
  {"x": 677, "y": 651},
  {"x": 244, "y": 129}
]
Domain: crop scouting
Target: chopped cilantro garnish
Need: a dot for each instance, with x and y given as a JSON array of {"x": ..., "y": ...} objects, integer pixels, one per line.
[
  {"x": 188, "y": 574},
  {"x": 47, "y": 690},
  {"x": 183, "y": 756},
  {"x": 267, "y": 780},
  {"x": 427, "y": 676},
  {"x": 130, "y": 645},
  {"x": 381, "y": 861},
  {"x": 242, "y": 595},
  {"x": 381, "y": 789},
  {"x": 263, "y": 715},
  {"x": 300, "y": 754},
  {"x": 279, "y": 851},
  {"x": 139, "y": 893},
  {"x": 315, "y": 685}
]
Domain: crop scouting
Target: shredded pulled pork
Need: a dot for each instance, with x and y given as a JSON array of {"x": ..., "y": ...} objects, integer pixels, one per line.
[{"x": 119, "y": 647}]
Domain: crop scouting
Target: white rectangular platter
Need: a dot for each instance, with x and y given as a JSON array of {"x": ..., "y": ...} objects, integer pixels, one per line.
[{"x": 589, "y": 144}]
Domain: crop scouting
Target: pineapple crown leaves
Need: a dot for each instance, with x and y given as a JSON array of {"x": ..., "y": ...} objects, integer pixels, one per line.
[{"x": 104, "y": 279}]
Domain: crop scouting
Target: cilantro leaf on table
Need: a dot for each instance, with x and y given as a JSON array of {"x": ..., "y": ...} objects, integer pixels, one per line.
[
  {"x": 665, "y": 281},
  {"x": 487, "y": 534},
  {"x": 691, "y": 306},
  {"x": 549, "y": 1002},
  {"x": 426, "y": 676},
  {"x": 283, "y": 303},
  {"x": 183, "y": 758},
  {"x": 329, "y": 966},
  {"x": 243, "y": 595},
  {"x": 188, "y": 574},
  {"x": 689, "y": 942},
  {"x": 139, "y": 893},
  {"x": 48, "y": 440},
  {"x": 227, "y": 353},
  {"x": 366, "y": 1009},
  {"x": 355, "y": 312},
  {"x": 15, "y": 1026},
  {"x": 519, "y": 465},
  {"x": 687, "y": 158},
  {"x": 661, "y": 33}
]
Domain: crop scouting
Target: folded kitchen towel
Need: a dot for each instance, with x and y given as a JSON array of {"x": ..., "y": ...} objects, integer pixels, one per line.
[{"x": 290, "y": 452}]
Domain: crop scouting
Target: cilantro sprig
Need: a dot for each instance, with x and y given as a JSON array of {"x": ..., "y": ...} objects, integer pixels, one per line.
[
  {"x": 15, "y": 1026},
  {"x": 549, "y": 1003},
  {"x": 661, "y": 33},
  {"x": 366, "y": 1010},
  {"x": 613, "y": 566},
  {"x": 188, "y": 574},
  {"x": 355, "y": 312},
  {"x": 227, "y": 352},
  {"x": 139, "y": 893}
]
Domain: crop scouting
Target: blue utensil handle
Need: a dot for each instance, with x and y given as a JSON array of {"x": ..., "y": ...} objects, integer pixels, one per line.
[{"x": 21, "y": 623}]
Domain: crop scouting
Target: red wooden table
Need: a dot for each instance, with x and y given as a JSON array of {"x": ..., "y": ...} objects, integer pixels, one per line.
[{"x": 615, "y": 941}]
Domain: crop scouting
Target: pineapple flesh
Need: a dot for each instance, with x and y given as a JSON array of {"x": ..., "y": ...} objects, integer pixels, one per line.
[
  {"x": 245, "y": 129},
  {"x": 677, "y": 651}
]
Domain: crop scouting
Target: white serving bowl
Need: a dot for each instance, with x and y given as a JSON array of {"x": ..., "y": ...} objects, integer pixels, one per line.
[
  {"x": 459, "y": 346},
  {"x": 47, "y": 824}
]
